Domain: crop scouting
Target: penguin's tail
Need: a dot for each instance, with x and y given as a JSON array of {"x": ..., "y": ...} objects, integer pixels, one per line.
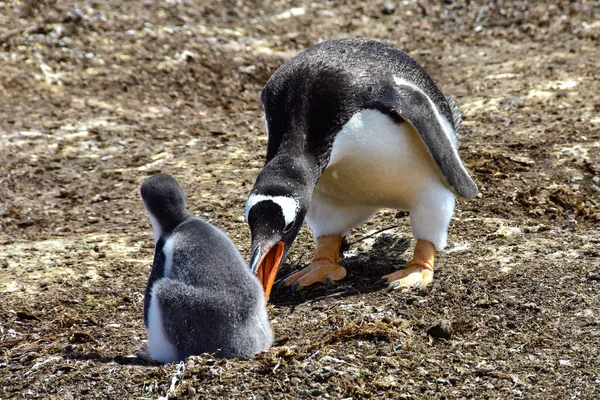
[{"x": 456, "y": 113}]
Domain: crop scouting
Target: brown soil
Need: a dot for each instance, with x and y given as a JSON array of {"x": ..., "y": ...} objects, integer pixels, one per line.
[{"x": 96, "y": 95}]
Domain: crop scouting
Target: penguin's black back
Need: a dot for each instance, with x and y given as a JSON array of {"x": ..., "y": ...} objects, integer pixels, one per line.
[
  {"x": 325, "y": 85},
  {"x": 204, "y": 257}
]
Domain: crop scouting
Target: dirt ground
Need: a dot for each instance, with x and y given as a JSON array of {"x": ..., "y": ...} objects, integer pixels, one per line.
[{"x": 97, "y": 95}]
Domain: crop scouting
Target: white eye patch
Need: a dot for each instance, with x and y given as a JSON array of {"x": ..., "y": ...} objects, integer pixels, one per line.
[{"x": 289, "y": 206}]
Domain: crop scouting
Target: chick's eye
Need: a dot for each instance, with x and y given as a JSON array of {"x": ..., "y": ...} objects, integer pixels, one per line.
[{"x": 289, "y": 227}]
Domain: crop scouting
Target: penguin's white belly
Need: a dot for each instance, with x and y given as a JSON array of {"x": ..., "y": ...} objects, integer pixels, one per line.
[{"x": 376, "y": 162}]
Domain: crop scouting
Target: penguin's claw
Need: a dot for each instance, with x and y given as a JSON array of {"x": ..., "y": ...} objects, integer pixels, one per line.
[
  {"x": 411, "y": 277},
  {"x": 392, "y": 286},
  {"x": 319, "y": 271},
  {"x": 144, "y": 354},
  {"x": 381, "y": 282},
  {"x": 277, "y": 286},
  {"x": 294, "y": 288}
]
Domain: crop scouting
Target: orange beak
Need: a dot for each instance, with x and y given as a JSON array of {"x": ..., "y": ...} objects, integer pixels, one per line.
[{"x": 268, "y": 266}]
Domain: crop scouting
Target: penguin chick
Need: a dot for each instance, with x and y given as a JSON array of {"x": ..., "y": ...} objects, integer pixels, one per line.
[{"x": 201, "y": 296}]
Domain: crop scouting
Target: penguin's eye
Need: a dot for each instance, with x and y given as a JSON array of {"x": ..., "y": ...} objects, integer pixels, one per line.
[{"x": 289, "y": 227}]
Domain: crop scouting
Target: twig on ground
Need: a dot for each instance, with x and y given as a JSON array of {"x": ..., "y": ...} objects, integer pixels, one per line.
[
  {"x": 36, "y": 366},
  {"x": 176, "y": 374},
  {"x": 373, "y": 234}
]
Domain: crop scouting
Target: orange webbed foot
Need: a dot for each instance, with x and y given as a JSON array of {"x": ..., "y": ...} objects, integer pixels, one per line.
[
  {"x": 410, "y": 277},
  {"x": 324, "y": 267},
  {"x": 418, "y": 272}
]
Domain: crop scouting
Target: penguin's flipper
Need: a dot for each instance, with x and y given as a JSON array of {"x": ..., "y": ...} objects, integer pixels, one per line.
[{"x": 438, "y": 134}]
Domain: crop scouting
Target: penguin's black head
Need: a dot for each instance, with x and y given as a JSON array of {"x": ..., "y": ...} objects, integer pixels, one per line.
[
  {"x": 275, "y": 211},
  {"x": 164, "y": 202},
  {"x": 274, "y": 223}
]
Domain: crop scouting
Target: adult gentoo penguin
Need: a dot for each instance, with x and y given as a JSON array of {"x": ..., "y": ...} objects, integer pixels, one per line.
[
  {"x": 201, "y": 296},
  {"x": 353, "y": 126}
]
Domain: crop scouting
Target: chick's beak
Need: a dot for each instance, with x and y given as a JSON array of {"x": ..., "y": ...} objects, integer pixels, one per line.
[{"x": 265, "y": 266}]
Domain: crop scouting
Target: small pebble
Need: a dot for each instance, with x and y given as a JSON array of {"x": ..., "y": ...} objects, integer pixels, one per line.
[
  {"x": 388, "y": 8},
  {"x": 496, "y": 318},
  {"x": 575, "y": 187},
  {"x": 441, "y": 330},
  {"x": 596, "y": 179}
]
